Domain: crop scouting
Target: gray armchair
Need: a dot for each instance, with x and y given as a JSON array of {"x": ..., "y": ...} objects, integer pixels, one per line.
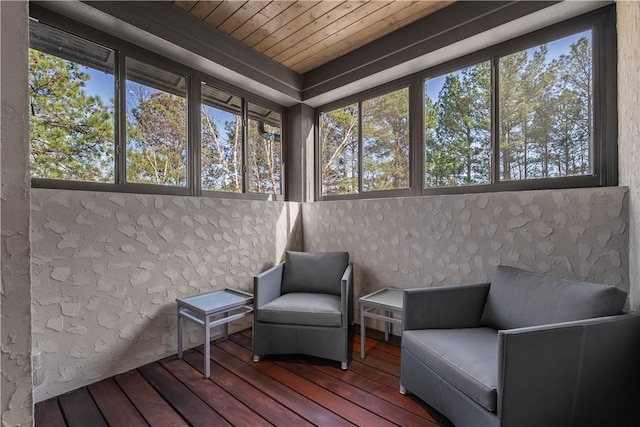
[
  {"x": 305, "y": 306},
  {"x": 525, "y": 350}
]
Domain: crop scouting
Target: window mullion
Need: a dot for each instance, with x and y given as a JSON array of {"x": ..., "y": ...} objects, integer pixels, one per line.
[
  {"x": 193, "y": 136},
  {"x": 245, "y": 144},
  {"x": 416, "y": 138},
  {"x": 360, "y": 168},
  {"x": 495, "y": 121},
  {"x": 120, "y": 115}
]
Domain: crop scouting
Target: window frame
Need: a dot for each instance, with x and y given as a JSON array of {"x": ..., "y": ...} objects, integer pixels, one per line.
[
  {"x": 602, "y": 24},
  {"x": 124, "y": 50},
  {"x": 403, "y": 83}
]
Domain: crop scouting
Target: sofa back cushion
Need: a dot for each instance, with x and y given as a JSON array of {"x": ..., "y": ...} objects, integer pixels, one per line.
[
  {"x": 519, "y": 298},
  {"x": 314, "y": 272}
]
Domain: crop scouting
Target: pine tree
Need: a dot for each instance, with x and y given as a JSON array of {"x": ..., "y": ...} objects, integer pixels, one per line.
[
  {"x": 71, "y": 133},
  {"x": 156, "y": 137}
]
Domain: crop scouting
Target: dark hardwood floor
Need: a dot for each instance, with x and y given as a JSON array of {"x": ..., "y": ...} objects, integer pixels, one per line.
[{"x": 281, "y": 391}]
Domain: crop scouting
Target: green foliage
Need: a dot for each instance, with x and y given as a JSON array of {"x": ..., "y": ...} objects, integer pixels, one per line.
[
  {"x": 264, "y": 156},
  {"x": 339, "y": 144},
  {"x": 545, "y": 129},
  {"x": 156, "y": 137},
  {"x": 458, "y": 135},
  {"x": 385, "y": 138},
  {"x": 546, "y": 113},
  {"x": 71, "y": 133},
  {"x": 222, "y": 154},
  {"x": 221, "y": 163}
]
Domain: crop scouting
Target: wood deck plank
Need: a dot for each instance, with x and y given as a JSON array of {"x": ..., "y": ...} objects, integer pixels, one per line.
[
  {"x": 79, "y": 409},
  {"x": 361, "y": 397},
  {"x": 301, "y": 404},
  {"x": 48, "y": 413},
  {"x": 115, "y": 405},
  {"x": 155, "y": 410},
  {"x": 234, "y": 411},
  {"x": 374, "y": 362},
  {"x": 279, "y": 390},
  {"x": 183, "y": 400},
  {"x": 334, "y": 402},
  {"x": 386, "y": 392},
  {"x": 256, "y": 399}
]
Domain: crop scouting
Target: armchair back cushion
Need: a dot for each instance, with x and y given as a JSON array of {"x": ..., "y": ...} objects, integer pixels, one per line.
[
  {"x": 519, "y": 298},
  {"x": 314, "y": 272}
]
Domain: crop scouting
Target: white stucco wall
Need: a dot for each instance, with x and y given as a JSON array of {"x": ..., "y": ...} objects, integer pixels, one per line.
[
  {"x": 459, "y": 239},
  {"x": 106, "y": 269},
  {"x": 16, "y": 405},
  {"x": 629, "y": 129}
]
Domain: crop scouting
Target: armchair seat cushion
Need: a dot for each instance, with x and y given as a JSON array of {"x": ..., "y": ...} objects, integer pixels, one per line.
[
  {"x": 302, "y": 308},
  {"x": 466, "y": 358}
]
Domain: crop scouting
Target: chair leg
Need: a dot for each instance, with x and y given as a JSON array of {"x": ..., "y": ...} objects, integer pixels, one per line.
[
  {"x": 344, "y": 366},
  {"x": 256, "y": 358},
  {"x": 403, "y": 390}
]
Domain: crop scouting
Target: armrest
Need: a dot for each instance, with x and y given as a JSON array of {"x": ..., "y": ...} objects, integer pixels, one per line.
[
  {"x": 346, "y": 295},
  {"x": 574, "y": 373},
  {"x": 266, "y": 286},
  {"x": 444, "y": 307}
]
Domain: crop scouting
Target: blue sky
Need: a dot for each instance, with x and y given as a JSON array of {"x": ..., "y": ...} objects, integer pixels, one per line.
[
  {"x": 556, "y": 48},
  {"x": 102, "y": 84}
]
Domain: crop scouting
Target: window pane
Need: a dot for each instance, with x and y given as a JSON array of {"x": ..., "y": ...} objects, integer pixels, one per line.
[
  {"x": 156, "y": 125},
  {"x": 546, "y": 110},
  {"x": 339, "y": 145},
  {"x": 385, "y": 142},
  {"x": 221, "y": 140},
  {"x": 71, "y": 94},
  {"x": 458, "y": 128},
  {"x": 264, "y": 150}
]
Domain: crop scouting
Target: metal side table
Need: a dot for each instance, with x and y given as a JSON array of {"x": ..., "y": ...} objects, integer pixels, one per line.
[
  {"x": 388, "y": 300},
  {"x": 227, "y": 305}
]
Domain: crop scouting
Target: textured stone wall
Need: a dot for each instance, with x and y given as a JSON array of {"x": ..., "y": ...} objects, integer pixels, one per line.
[
  {"x": 106, "y": 269},
  {"x": 16, "y": 405},
  {"x": 629, "y": 128},
  {"x": 459, "y": 239}
]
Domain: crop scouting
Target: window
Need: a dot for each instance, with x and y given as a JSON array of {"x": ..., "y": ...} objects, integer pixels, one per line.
[
  {"x": 546, "y": 110},
  {"x": 264, "y": 150},
  {"x": 221, "y": 138},
  {"x": 339, "y": 138},
  {"x": 535, "y": 112},
  {"x": 367, "y": 154},
  {"x": 545, "y": 123},
  {"x": 458, "y": 127},
  {"x": 385, "y": 142},
  {"x": 71, "y": 94},
  {"x": 156, "y": 125},
  {"x": 120, "y": 118}
]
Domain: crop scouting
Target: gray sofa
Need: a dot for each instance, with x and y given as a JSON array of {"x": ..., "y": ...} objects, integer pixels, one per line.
[
  {"x": 525, "y": 350},
  {"x": 305, "y": 306}
]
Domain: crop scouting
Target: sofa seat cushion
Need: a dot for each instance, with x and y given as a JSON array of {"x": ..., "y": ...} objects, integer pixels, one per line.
[
  {"x": 519, "y": 298},
  {"x": 302, "y": 308},
  {"x": 465, "y": 358}
]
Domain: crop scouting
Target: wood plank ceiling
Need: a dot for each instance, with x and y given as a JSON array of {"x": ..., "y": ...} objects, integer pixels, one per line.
[{"x": 304, "y": 34}]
